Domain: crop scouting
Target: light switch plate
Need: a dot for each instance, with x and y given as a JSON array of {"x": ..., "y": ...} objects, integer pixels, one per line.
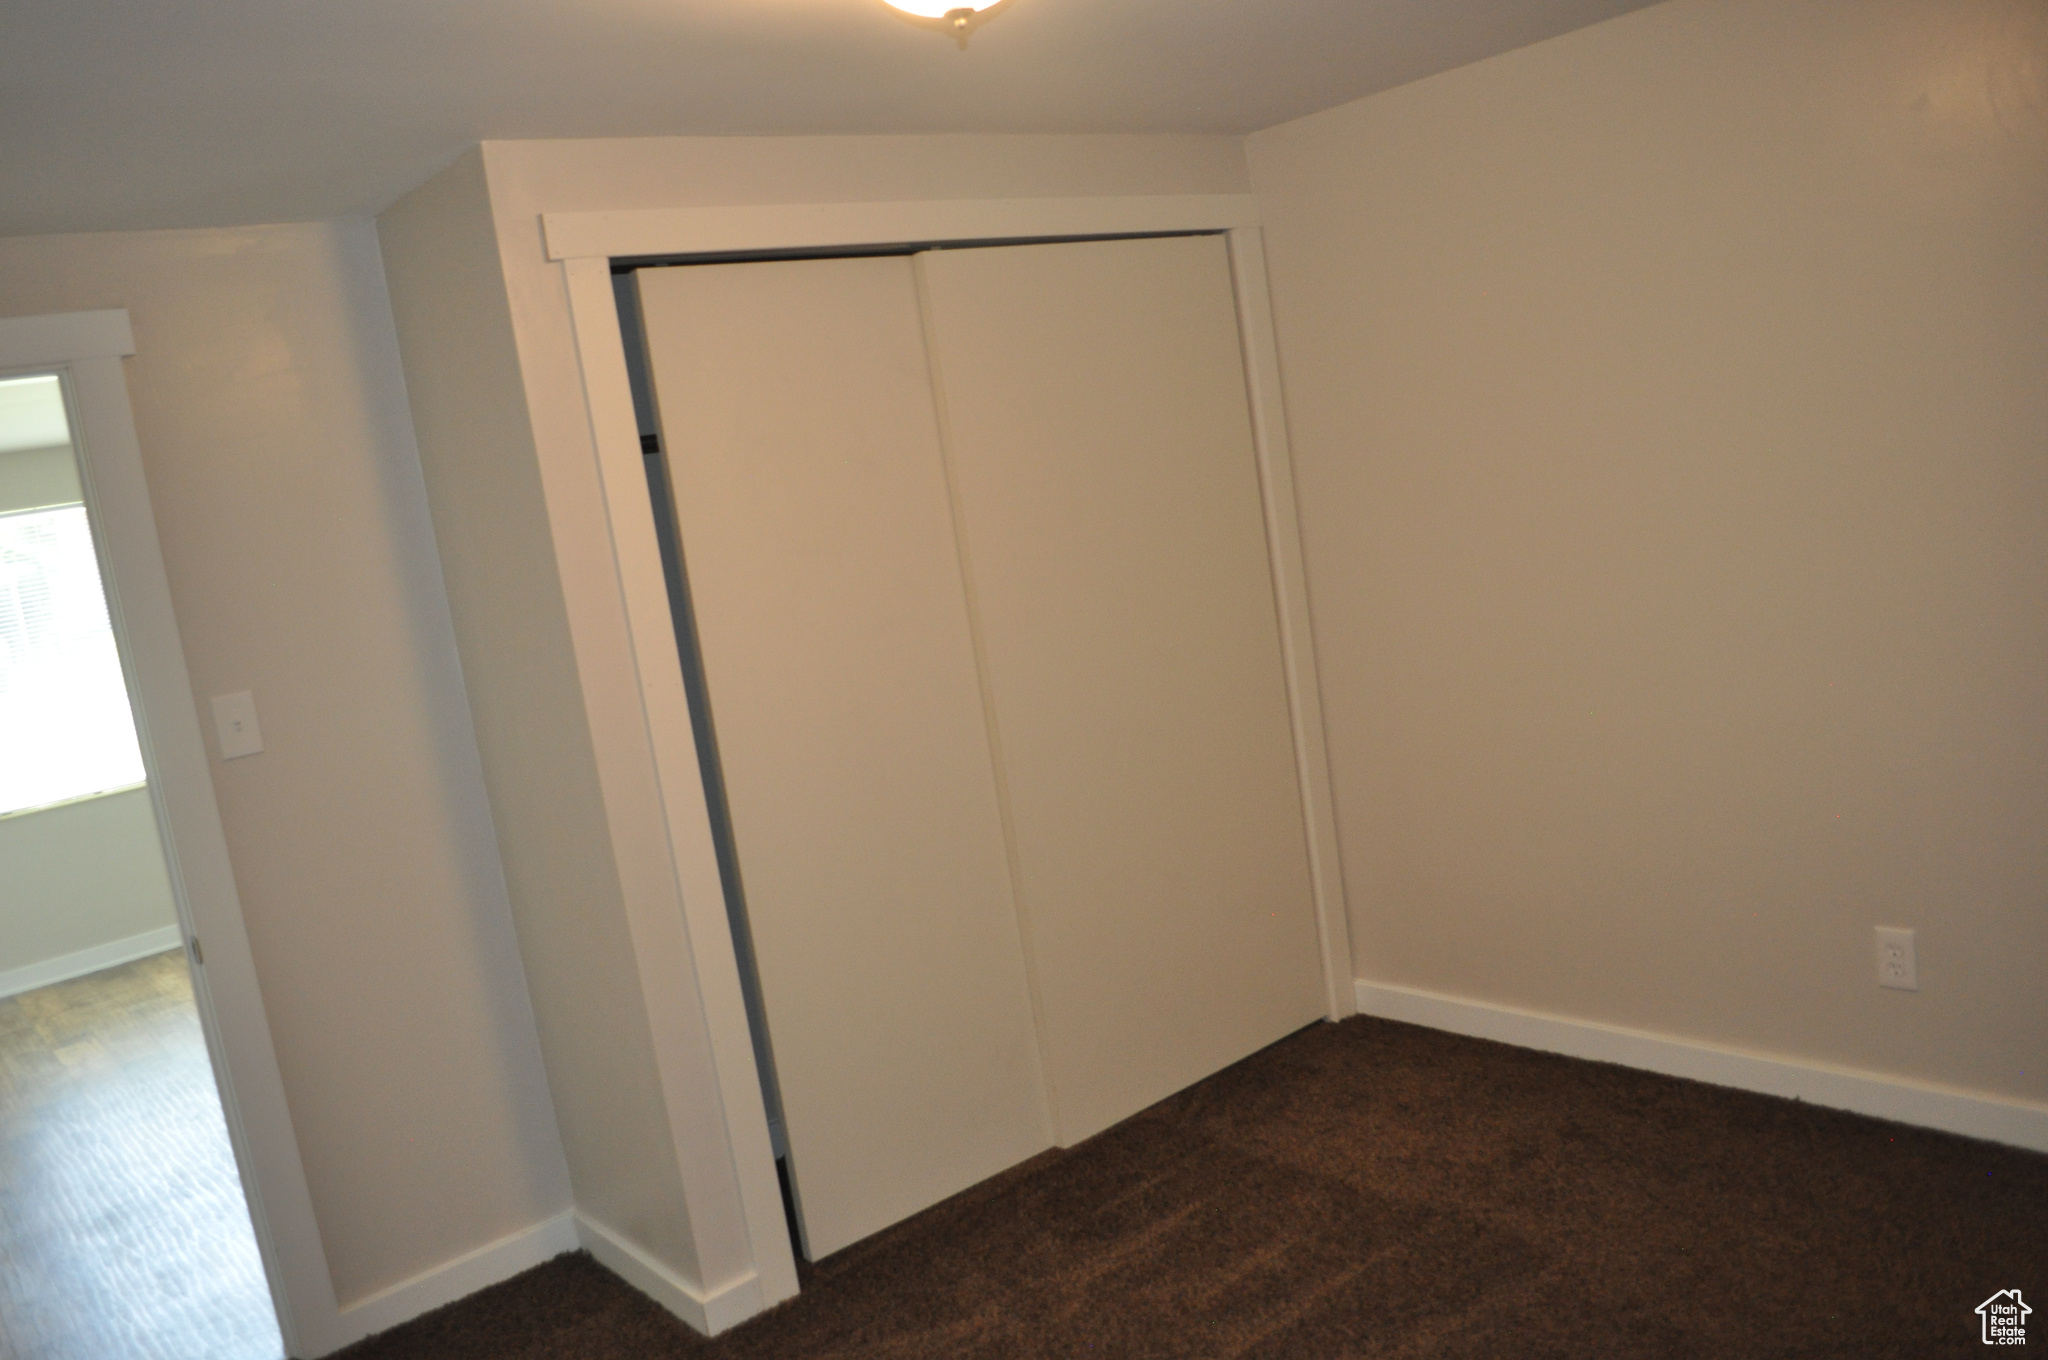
[{"x": 234, "y": 718}]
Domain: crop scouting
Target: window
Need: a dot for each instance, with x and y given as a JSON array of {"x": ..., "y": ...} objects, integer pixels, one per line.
[{"x": 65, "y": 726}]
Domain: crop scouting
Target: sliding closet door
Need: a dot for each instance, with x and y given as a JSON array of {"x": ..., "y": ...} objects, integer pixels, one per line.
[
  {"x": 811, "y": 503},
  {"x": 1094, "y": 406}
]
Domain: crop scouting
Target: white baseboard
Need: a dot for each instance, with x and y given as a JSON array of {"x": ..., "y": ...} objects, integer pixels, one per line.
[
  {"x": 710, "y": 1313},
  {"x": 65, "y": 967},
  {"x": 2017, "y": 1123},
  {"x": 430, "y": 1289}
]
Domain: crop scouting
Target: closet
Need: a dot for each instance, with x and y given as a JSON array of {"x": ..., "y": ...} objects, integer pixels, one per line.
[{"x": 978, "y": 567}]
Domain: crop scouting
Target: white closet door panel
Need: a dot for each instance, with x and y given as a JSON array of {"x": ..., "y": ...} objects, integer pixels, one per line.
[
  {"x": 811, "y": 502},
  {"x": 1095, "y": 415}
]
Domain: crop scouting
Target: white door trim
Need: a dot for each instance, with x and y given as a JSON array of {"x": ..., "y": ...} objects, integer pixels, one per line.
[
  {"x": 758, "y": 1245},
  {"x": 87, "y": 349},
  {"x": 813, "y": 226},
  {"x": 1290, "y": 599},
  {"x": 584, "y": 243}
]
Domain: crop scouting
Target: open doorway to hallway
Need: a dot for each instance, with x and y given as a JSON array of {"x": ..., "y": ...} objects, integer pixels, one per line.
[
  {"x": 123, "y": 1227},
  {"x": 123, "y": 1231}
]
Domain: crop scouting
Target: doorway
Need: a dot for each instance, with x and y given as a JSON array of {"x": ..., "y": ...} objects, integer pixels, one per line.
[{"x": 124, "y": 1229}]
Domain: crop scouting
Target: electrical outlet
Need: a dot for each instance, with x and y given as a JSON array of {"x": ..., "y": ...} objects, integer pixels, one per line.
[{"x": 1896, "y": 965}]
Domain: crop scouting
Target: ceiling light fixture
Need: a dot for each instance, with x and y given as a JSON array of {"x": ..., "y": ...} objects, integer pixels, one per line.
[{"x": 957, "y": 17}]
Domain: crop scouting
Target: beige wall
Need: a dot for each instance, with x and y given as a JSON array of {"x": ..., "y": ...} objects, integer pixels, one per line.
[
  {"x": 1670, "y": 404},
  {"x": 491, "y": 524},
  {"x": 79, "y": 876},
  {"x": 287, "y": 493},
  {"x": 579, "y": 175}
]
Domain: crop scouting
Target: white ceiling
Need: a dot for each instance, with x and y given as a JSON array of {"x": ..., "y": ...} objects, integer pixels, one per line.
[{"x": 118, "y": 114}]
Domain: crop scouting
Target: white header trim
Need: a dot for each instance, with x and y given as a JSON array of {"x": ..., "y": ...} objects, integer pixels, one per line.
[
  {"x": 805, "y": 226},
  {"x": 65, "y": 337}
]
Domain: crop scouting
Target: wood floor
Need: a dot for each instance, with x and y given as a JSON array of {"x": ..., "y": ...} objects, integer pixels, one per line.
[{"x": 123, "y": 1232}]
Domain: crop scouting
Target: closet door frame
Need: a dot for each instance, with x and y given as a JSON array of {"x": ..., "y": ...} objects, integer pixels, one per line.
[{"x": 583, "y": 245}]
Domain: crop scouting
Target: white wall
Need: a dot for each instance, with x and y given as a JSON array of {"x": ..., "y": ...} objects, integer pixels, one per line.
[
  {"x": 272, "y": 420},
  {"x": 79, "y": 877},
  {"x": 492, "y": 527},
  {"x": 1669, "y": 403}
]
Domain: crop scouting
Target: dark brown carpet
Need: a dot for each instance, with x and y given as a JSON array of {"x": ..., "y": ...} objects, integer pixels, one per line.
[{"x": 1374, "y": 1189}]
